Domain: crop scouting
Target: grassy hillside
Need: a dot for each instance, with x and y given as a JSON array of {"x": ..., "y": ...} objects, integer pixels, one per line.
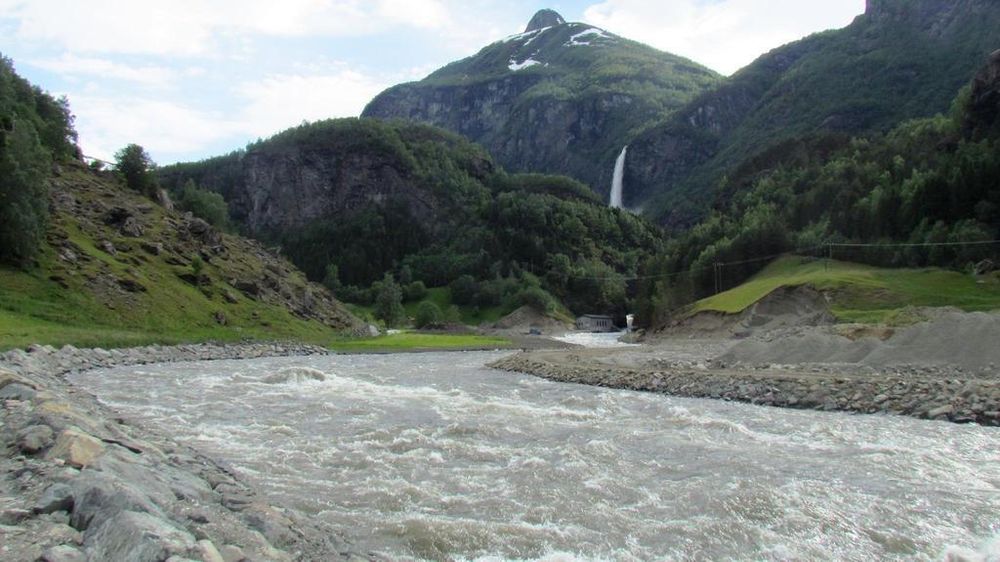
[
  {"x": 861, "y": 293},
  {"x": 117, "y": 269}
]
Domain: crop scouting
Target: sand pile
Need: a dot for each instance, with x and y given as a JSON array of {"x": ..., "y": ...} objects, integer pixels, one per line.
[
  {"x": 526, "y": 318},
  {"x": 783, "y": 308},
  {"x": 949, "y": 338}
]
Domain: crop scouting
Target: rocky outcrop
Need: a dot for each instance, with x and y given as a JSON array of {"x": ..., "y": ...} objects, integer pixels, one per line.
[
  {"x": 543, "y": 19},
  {"x": 78, "y": 484},
  {"x": 983, "y": 112}
]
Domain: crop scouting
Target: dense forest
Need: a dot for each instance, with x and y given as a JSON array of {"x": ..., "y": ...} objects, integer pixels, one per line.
[
  {"x": 363, "y": 198},
  {"x": 905, "y": 193},
  {"x": 36, "y": 131}
]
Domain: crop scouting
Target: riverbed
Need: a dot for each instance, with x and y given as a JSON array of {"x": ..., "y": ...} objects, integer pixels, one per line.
[{"x": 437, "y": 457}]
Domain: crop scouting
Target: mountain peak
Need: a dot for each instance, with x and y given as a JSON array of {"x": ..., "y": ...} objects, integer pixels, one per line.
[{"x": 543, "y": 19}]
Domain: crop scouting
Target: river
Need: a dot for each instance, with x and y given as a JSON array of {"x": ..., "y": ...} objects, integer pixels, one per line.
[{"x": 434, "y": 456}]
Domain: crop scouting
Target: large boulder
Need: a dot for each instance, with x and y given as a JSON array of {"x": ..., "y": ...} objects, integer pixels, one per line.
[{"x": 76, "y": 448}]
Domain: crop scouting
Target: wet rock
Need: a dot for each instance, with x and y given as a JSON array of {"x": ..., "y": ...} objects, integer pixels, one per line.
[
  {"x": 231, "y": 553},
  {"x": 137, "y": 537},
  {"x": 13, "y": 516},
  {"x": 57, "y": 497},
  {"x": 208, "y": 552},
  {"x": 63, "y": 553},
  {"x": 941, "y": 411},
  {"x": 76, "y": 448},
  {"x": 17, "y": 391},
  {"x": 98, "y": 496}
]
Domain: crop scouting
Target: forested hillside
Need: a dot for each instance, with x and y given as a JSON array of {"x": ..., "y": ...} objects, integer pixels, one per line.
[
  {"x": 907, "y": 194},
  {"x": 351, "y": 200},
  {"x": 902, "y": 59}
]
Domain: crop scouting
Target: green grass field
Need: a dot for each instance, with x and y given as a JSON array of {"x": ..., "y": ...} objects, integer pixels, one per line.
[
  {"x": 862, "y": 293},
  {"x": 417, "y": 341}
]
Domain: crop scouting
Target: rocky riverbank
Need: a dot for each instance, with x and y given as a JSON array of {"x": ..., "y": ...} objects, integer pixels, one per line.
[
  {"x": 929, "y": 394},
  {"x": 77, "y": 484}
]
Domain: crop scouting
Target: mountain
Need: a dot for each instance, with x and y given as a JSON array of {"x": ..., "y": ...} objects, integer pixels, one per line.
[
  {"x": 560, "y": 98},
  {"x": 900, "y": 60},
  {"x": 372, "y": 197}
]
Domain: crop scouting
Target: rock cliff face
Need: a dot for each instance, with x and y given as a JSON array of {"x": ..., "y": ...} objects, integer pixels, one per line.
[
  {"x": 901, "y": 59},
  {"x": 983, "y": 119},
  {"x": 560, "y": 98},
  {"x": 337, "y": 170}
]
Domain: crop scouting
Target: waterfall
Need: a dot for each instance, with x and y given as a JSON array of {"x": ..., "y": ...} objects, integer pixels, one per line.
[{"x": 616, "y": 183}]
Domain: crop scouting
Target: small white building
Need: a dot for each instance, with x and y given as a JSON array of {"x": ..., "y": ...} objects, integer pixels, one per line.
[{"x": 595, "y": 323}]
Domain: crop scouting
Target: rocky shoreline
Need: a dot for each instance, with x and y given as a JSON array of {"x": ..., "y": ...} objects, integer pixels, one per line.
[
  {"x": 78, "y": 484},
  {"x": 940, "y": 397}
]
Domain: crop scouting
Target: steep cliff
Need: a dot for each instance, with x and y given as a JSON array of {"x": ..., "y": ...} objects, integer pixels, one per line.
[
  {"x": 559, "y": 98},
  {"x": 901, "y": 59}
]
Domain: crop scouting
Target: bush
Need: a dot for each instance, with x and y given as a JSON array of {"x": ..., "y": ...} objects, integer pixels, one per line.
[
  {"x": 536, "y": 298},
  {"x": 204, "y": 204},
  {"x": 355, "y": 294},
  {"x": 415, "y": 291},
  {"x": 331, "y": 279},
  {"x": 428, "y": 314},
  {"x": 464, "y": 290},
  {"x": 389, "y": 302}
]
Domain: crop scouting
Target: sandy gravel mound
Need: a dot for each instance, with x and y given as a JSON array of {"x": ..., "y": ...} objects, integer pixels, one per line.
[
  {"x": 948, "y": 338},
  {"x": 783, "y": 308},
  {"x": 526, "y": 318}
]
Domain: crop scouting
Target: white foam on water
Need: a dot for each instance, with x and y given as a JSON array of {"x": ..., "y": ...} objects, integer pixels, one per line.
[{"x": 435, "y": 457}]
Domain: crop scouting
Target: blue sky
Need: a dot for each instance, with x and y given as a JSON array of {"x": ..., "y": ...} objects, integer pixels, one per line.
[{"x": 189, "y": 79}]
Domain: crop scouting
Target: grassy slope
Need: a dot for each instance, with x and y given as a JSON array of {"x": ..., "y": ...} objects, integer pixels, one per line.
[
  {"x": 862, "y": 293},
  {"x": 59, "y": 303}
]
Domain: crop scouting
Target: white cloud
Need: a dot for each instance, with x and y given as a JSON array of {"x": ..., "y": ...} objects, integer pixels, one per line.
[
  {"x": 195, "y": 27},
  {"x": 73, "y": 65},
  {"x": 106, "y": 124},
  {"x": 172, "y": 129},
  {"x": 724, "y": 35},
  {"x": 281, "y": 101}
]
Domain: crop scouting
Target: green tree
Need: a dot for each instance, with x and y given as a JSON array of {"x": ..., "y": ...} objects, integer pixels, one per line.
[
  {"x": 428, "y": 314},
  {"x": 389, "y": 302},
  {"x": 204, "y": 204},
  {"x": 331, "y": 280},
  {"x": 135, "y": 166},
  {"x": 23, "y": 194},
  {"x": 414, "y": 291}
]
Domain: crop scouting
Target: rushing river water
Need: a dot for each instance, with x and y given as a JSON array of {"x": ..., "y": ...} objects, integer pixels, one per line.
[{"x": 433, "y": 456}]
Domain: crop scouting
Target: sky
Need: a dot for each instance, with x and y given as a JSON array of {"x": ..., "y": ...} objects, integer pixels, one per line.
[{"x": 191, "y": 79}]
